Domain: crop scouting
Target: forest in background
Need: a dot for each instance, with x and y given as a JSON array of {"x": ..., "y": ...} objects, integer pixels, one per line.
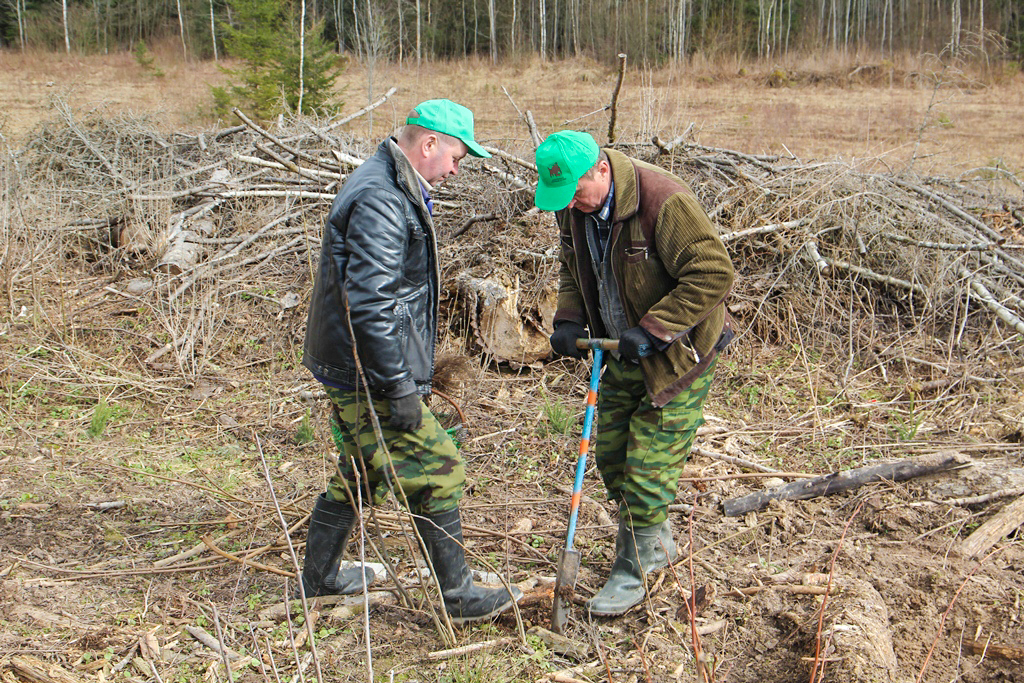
[{"x": 651, "y": 31}]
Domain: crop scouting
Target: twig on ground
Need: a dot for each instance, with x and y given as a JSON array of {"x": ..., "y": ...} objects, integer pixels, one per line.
[
  {"x": 707, "y": 453},
  {"x": 208, "y": 542},
  {"x": 469, "y": 649}
]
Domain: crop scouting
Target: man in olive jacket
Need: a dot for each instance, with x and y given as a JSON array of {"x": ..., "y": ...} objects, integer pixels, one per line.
[
  {"x": 376, "y": 299},
  {"x": 641, "y": 263}
]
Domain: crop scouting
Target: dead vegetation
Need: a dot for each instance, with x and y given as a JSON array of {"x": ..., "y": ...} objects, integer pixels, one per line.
[{"x": 156, "y": 457}]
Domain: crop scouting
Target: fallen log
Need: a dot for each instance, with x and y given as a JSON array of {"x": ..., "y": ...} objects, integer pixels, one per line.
[
  {"x": 989, "y": 533},
  {"x": 837, "y": 482}
]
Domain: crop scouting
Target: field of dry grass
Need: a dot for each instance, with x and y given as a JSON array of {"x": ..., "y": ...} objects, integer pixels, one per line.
[{"x": 953, "y": 120}]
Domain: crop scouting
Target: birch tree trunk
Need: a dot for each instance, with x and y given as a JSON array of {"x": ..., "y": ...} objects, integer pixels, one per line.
[
  {"x": 401, "y": 33},
  {"x": 302, "y": 54},
  {"x": 512, "y": 32},
  {"x": 554, "y": 29},
  {"x": 543, "y": 31},
  {"x": 213, "y": 33},
  {"x": 885, "y": 18},
  {"x": 954, "y": 40},
  {"x": 355, "y": 25},
  {"x": 18, "y": 4},
  {"x": 846, "y": 29},
  {"x": 67, "y": 37},
  {"x": 419, "y": 53},
  {"x": 96, "y": 12},
  {"x": 835, "y": 17},
  {"x": 575, "y": 19},
  {"x": 181, "y": 31},
  {"x": 493, "y": 31},
  {"x": 981, "y": 28}
]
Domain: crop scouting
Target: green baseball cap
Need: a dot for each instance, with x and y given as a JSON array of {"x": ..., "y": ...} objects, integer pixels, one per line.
[
  {"x": 562, "y": 159},
  {"x": 444, "y": 116}
]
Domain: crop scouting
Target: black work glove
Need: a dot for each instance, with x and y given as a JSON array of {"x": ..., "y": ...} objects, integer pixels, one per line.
[
  {"x": 407, "y": 413},
  {"x": 563, "y": 341},
  {"x": 635, "y": 344}
]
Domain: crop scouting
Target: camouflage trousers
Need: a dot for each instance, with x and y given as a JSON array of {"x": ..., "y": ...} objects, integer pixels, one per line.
[
  {"x": 640, "y": 449},
  {"x": 425, "y": 465}
]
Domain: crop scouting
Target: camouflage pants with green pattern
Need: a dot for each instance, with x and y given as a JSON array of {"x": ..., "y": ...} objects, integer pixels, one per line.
[
  {"x": 640, "y": 449},
  {"x": 428, "y": 467}
]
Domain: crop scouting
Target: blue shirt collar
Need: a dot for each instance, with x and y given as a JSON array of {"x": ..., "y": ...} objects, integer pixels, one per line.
[{"x": 426, "y": 198}]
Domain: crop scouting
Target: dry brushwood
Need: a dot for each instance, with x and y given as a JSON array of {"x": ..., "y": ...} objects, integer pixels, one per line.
[{"x": 864, "y": 255}]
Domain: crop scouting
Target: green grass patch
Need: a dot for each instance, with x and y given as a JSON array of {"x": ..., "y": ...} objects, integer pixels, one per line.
[
  {"x": 100, "y": 419},
  {"x": 304, "y": 434}
]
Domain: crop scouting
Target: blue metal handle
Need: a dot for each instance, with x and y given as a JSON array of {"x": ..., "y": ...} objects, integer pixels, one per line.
[{"x": 588, "y": 429}]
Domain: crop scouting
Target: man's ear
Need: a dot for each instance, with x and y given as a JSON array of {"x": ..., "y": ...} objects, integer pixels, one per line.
[{"x": 428, "y": 144}]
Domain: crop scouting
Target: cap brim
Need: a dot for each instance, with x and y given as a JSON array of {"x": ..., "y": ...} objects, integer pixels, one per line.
[
  {"x": 476, "y": 150},
  {"x": 553, "y": 198}
]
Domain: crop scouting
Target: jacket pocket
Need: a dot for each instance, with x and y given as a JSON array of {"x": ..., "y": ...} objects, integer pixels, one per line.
[
  {"x": 415, "y": 268},
  {"x": 417, "y": 355},
  {"x": 637, "y": 251},
  {"x": 644, "y": 280}
]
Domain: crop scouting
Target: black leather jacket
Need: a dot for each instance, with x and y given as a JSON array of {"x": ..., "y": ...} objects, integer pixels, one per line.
[{"x": 379, "y": 250}]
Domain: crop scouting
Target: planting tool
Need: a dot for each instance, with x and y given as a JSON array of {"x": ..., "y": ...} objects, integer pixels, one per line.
[{"x": 569, "y": 557}]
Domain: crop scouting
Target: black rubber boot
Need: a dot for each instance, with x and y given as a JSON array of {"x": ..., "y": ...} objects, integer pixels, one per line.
[
  {"x": 464, "y": 601},
  {"x": 638, "y": 552},
  {"x": 329, "y": 529}
]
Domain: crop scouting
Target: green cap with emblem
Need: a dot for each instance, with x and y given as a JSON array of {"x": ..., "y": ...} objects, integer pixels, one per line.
[
  {"x": 445, "y": 116},
  {"x": 562, "y": 159}
]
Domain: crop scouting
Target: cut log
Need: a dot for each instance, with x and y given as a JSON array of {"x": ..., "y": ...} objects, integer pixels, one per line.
[
  {"x": 844, "y": 481},
  {"x": 182, "y": 255},
  {"x": 176, "y": 245},
  {"x": 990, "y": 649},
  {"x": 990, "y": 533},
  {"x": 503, "y": 324},
  {"x": 183, "y": 252},
  {"x": 39, "y": 671}
]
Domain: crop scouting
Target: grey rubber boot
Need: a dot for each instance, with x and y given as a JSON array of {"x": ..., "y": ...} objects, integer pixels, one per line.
[
  {"x": 464, "y": 601},
  {"x": 329, "y": 529},
  {"x": 638, "y": 552}
]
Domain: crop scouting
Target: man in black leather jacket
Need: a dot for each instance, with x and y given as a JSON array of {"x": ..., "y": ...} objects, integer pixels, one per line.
[{"x": 376, "y": 300}]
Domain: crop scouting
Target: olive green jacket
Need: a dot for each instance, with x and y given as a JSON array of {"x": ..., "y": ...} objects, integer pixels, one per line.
[{"x": 672, "y": 271}]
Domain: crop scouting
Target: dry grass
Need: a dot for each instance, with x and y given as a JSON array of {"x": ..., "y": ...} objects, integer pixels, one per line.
[{"x": 971, "y": 120}]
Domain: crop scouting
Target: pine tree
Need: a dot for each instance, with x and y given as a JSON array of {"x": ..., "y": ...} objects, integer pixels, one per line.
[{"x": 265, "y": 36}]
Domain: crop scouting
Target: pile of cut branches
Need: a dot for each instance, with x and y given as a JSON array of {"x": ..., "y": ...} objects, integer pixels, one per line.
[{"x": 827, "y": 255}]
